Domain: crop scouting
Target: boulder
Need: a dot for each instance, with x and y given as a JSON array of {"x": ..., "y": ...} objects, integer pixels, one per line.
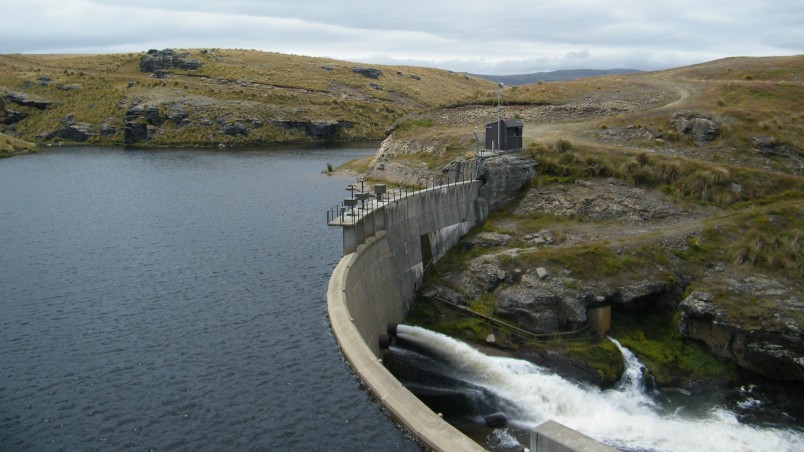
[
  {"x": 481, "y": 275},
  {"x": 505, "y": 175},
  {"x": 236, "y": 128},
  {"x": 369, "y": 72},
  {"x": 704, "y": 128},
  {"x": 530, "y": 308}
]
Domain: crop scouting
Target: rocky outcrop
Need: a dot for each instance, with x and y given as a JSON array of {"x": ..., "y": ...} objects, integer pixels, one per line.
[
  {"x": 702, "y": 127},
  {"x": 160, "y": 60},
  {"x": 769, "y": 342},
  {"x": 134, "y": 132},
  {"x": 770, "y": 147},
  {"x": 318, "y": 130},
  {"x": 597, "y": 199},
  {"x": 384, "y": 167},
  {"x": 27, "y": 101},
  {"x": 505, "y": 176},
  {"x": 369, "y": 72},
  {"x": 551, "y": 299},
  {"x": 107, "y": 129},
  {"x": 236, "y": 128},
  {"x": 9, "y": 116},
  {"x": 70, "y": 130}
]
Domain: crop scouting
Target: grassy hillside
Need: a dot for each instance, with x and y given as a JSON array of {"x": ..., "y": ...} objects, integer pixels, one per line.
[
  {"x": 256, "y": 89},
  {"x": 10, "y": 146},
  {"x": 755, "y": 104}
]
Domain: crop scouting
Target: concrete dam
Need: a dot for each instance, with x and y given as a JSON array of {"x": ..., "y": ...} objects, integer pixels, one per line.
[{"x": 388, "y": 239}]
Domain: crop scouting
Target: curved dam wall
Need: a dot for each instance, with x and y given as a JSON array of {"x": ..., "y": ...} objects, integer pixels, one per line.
[{"x": 375, "y": 282}]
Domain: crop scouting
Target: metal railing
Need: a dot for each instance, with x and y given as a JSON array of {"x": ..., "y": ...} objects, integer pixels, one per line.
[{"x": 352, "y": 210}]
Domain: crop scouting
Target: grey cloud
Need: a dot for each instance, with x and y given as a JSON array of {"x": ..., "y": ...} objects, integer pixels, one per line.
[{"x": 465, "y": 35}]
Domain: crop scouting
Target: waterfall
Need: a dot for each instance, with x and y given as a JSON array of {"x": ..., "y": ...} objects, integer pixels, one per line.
[
  {"x": 632, "y": 379},
  {"x": 625, "y": 417}
]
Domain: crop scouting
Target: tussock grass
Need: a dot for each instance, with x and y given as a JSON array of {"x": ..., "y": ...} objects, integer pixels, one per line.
[
  {"x": 698, "y": 181},
  {"x": 10, "y": 146}
]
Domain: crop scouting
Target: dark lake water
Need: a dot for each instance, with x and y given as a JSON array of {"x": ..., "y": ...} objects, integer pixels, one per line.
[{"x": 175, "y": 300}]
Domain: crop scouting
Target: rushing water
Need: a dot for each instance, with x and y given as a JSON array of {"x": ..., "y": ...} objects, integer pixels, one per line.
[
  {"x": 174, "y": 300},
  {"x": 626, "y": 417}
]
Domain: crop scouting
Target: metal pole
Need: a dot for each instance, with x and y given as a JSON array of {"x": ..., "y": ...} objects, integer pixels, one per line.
[{"x": 499, "y": 107}]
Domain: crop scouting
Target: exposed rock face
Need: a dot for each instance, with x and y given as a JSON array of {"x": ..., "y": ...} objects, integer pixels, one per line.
[
  {"x": 319, "y": 130},
  {"x": 770, "y": 343},
  {"x": 597, "y": 200},
  {"x": 236, "y": 128},
  {"x": 768, "y": 146},
  {"x": 26, "y": 101},
  {"x": 704, "y": 128},
  {"x": 107, "y": 129},
  {"x": 9, "y": 116},
  {"x": 482, "y": 275},
  {"x": 385, "y": 168},
  {"x": 156, "y": 60},
  {"x": 489, "y": 239},
  {"x": 369, "y": 72},
  {"x": 71, "y": 131},
  {"x": 505, "y": 175},
  {"x": 531, "y": 309},
  {"x": 134, "y": 132}
]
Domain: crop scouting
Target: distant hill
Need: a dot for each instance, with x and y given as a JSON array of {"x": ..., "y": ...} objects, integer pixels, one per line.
[
  {"x": 553, "y": 76},
  {"x": 214, "y": 97}
]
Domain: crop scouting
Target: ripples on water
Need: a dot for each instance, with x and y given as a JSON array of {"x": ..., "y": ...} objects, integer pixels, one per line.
[{"x": 174, "y": 300}]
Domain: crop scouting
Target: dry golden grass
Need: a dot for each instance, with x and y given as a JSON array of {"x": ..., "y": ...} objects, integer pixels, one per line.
[
  {"x": 10, "y": 145},
  {"x": 230, "y": 85}
]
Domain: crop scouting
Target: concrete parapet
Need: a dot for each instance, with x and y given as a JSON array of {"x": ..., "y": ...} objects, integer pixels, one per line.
[
  {"x": 350, "y": 305},
  {"x": 551, "y": 436}
]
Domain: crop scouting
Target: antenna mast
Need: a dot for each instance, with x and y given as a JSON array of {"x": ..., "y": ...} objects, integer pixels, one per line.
[{"x": 499, "y": 106}]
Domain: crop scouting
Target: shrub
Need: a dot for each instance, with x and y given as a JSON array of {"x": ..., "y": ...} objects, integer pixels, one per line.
[{"x": 563, "y": 146}]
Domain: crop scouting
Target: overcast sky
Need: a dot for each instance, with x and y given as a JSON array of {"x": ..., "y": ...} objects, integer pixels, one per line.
[{"x": 487, "y": 37}]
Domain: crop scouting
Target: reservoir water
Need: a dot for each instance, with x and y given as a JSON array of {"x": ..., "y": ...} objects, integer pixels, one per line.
[{"x": 174, "y": 300}]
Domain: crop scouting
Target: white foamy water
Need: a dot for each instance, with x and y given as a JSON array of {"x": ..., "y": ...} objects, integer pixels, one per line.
[{"x": 625, "y": 417}]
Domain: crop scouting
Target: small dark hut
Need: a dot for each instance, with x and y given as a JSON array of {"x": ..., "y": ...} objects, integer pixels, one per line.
[{"x": 510, "y": 135}]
